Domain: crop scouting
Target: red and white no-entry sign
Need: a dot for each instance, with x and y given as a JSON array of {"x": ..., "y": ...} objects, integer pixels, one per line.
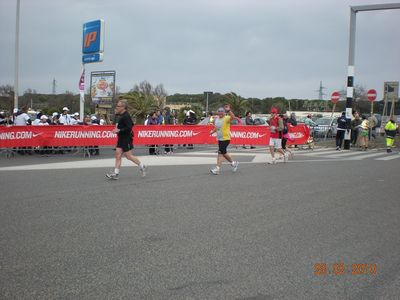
[
  {"x": 335, "y": 97},
  {"x": 371, "y": 94}
]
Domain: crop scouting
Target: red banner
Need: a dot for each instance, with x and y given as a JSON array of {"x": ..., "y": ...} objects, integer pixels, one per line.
[
  {"x": 198, "y": 134},
  {"x": 66, "y": 135},
  {"x": 298, "y": 135},
  {"x": 79, "y": 135}
]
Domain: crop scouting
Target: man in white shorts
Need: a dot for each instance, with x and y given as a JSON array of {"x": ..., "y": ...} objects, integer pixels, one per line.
[{"x": 275, "y": 141}]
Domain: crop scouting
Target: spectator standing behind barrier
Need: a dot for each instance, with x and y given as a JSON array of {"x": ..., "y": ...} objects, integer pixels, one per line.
[
  {"x": 190, "y": 119},
  {"x": 168, "y": 120},
  {"x": 249, "y": 121},
  {"x": 391, "y": 131},
  {"x": 23, "y": 118},
  {"x": 65, "y": 118},
  {"x": 75, "y": 119},
  {"x": 125, "y": 140},
  {"x": 95, "y": 150},
  {"x": 309, "y": 122},
  {"x": 364, "y": 133},
  {"x": 43, "y": 121},
  {"x": 285, "y": 135},
  {"x": 2, "y": 118},
  {"x": 160, "y": 117},
  {"x": 341, "y": 130},
  {"x": 37, "y": 120},
  {"x": 292, "y": 120},
  {"x": 5, "y": 119},
  {"x": 55, "y": 119},
  {"x": 355, "y": 129},
  {"x": 275, "y": 141},
  {"x": 373, "y": 122},
  {"x": 152, "y": 120},
  {"x": 222, "y": 128}
]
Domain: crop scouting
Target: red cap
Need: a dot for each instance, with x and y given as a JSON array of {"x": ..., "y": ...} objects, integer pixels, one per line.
[{"x": 274, "y": 110}]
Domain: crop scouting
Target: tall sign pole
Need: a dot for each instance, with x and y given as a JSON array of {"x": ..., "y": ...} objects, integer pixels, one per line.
[
  {"x": 16, "y": 78},
  {"x": 334, "y": 98},
  {"x": 371, "y": 94},
  {"x": 92, "y": 52},
  {"x": 350, "y": 70}
]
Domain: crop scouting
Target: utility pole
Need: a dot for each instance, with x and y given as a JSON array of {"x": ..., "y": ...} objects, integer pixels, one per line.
[
  {"x": 54, "y": 86},
  {"x": 16, "y": 67},
  {"x": 207, "y": 94}
]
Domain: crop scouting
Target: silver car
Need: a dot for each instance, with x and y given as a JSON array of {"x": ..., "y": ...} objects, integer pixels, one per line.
[{"x": 325, "y": 126}]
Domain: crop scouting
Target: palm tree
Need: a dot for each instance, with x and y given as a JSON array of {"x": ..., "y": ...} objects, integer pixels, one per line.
[
  {"x": 238, "y": 104},
  {"x": 140, "y": 105}
]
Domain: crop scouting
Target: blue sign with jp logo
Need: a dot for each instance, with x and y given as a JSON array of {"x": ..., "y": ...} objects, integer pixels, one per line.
[
  {"x": 91, "y": 58},
  {"x": 93, "y": 37}
]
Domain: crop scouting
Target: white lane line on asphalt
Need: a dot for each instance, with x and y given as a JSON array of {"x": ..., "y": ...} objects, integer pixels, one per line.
[
  {"x": 351, "y": 153},
  {"x": 214, "y": 154},
  {"x": 109, "y": 163},
  {"x": 395, "y": 156},
  {"x": 360, "y": 157},
  {"x": 318, "y": 153}
]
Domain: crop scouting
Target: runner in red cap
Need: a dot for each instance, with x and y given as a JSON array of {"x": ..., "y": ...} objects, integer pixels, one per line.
[{"x": 275, "y": 141}]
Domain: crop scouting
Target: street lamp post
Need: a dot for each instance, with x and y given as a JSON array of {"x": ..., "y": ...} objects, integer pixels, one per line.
[
  {"x": 207, "y": 94},
  {"x": 16, "y": 78}
]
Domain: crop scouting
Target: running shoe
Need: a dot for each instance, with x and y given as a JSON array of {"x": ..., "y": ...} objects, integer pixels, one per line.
[
  {"x": 143, "y": 170},
  {"x": 112, "y": 176},
  {"x": 235, "y": 165},
  {"x": 214, "y": 171},
  {"x": 285, "y": 157},
  {"x": 272, "y": 162}
]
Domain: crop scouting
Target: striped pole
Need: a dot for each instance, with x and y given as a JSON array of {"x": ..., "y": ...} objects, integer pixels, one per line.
[{"x": 349, "y": 104}]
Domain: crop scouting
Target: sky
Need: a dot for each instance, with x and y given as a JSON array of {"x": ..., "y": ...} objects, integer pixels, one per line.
[{"x": 255, "y": 48}]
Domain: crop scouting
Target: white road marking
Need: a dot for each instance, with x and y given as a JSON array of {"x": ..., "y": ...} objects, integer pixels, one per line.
[
  {"x": 395, "y": 156},
  {"x": 205, "y": 158}
]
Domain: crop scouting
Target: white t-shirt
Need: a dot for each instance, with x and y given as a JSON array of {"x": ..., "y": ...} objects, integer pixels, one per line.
[
  {"x": 43, "y": 124},
  {"x": 21, "y": 119},
  {"x": 36, "y": 122},
  {"x": 65, "y": 119},
  {"x": 74, "y": 121}
]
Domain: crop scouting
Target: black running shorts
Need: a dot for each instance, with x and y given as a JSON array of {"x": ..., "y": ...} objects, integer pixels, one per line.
[
  {"x": 125, "y": 144},
  {"x": 222, "y": 145}
]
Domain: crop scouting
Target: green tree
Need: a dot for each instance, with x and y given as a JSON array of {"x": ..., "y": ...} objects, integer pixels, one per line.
[
  {"x": 238, "y": 104},
  {"x": 140, "y": 105}
]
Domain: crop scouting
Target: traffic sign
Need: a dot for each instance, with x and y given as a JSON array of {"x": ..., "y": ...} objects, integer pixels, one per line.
[
  {"x": 93, "y": 37},
  {"x": 92, "y": 58},
  {"x": 335, "y": 97},
  {"x": 371, "y": 94}
]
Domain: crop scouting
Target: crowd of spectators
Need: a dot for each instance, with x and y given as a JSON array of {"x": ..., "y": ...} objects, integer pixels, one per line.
[{"x": 21, "y": 117}]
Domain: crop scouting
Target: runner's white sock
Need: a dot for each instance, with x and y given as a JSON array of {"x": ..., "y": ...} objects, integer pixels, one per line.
[
  {"x": 141, "y": 165},
  {"x": 116, "y": 171}
]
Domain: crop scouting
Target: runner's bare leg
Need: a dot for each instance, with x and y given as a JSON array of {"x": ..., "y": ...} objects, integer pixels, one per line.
[
  {"x": 118, "y": 156},
  {"x": 132, "y": 158}
]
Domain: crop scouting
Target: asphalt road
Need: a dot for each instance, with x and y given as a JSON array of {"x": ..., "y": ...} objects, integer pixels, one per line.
[{"x": 181, "y": 233}]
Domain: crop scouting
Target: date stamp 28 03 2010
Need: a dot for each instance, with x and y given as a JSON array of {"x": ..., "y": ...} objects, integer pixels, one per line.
[{"x": 340, "y": 268}]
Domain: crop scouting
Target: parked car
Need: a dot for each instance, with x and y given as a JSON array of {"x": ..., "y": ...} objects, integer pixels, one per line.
[
  {"x": 206, "y": 120},
  {"x": 257, "y": 121},
  {"x": 325, "y": 125}
]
